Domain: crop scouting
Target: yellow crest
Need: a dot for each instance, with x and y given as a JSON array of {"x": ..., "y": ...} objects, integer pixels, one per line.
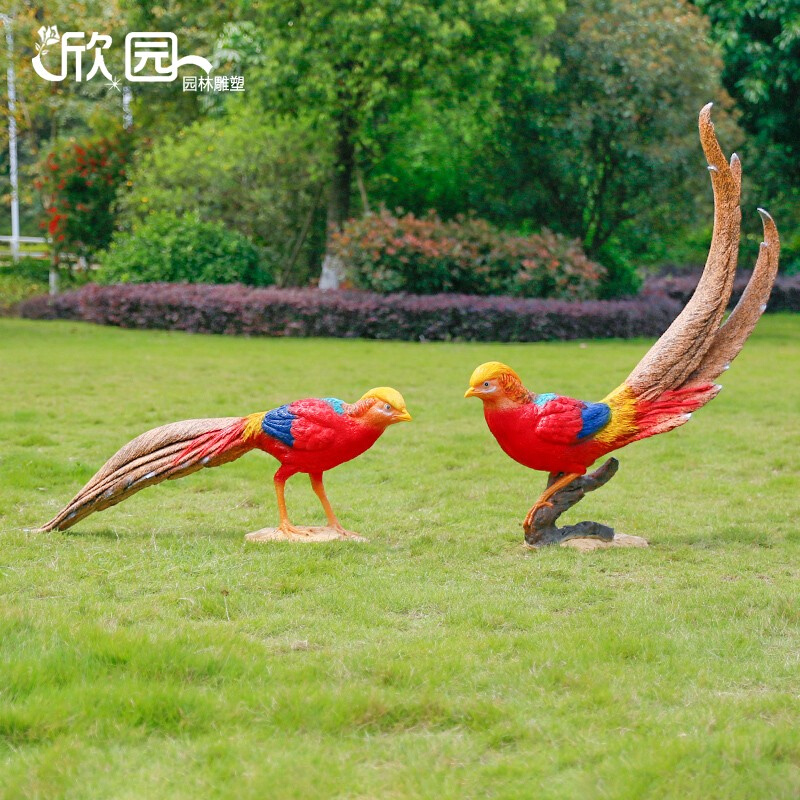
[
  {"x": 387, "y": 395},
  {"x": 491, "y": 370}
]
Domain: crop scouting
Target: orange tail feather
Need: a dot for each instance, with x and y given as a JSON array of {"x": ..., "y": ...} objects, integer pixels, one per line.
[{"x": 670, "y": 410}]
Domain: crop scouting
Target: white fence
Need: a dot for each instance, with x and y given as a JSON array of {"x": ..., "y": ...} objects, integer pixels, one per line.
[{"x": 11, "y": 241}]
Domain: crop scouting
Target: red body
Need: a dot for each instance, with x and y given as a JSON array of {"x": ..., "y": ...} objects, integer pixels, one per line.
[
  {"x": 555, "y": 434},
  {"x": 323, "y": 438},
  {"x": 519, "y": 432},
  {"x": 310, "y": 435}
]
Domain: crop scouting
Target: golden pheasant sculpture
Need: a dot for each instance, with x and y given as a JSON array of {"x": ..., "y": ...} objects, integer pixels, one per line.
[{"x": 564, "y": 436}]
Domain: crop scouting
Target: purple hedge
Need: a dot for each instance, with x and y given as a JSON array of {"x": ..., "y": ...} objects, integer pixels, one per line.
[
  {"x": 785, "y": 293},
  {"x": 236, "y": 309}
]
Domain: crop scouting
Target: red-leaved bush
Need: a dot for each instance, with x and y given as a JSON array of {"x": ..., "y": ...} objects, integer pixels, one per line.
[
  {"x": 785, "y": 293},
  {"x": 236, "y": 309},
  {"x": 425, "y": 255}
]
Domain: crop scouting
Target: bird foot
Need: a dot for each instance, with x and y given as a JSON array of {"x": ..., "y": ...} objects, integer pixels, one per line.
[
  {"x": 293, "y": 531},
  {"x": 532, "y": 513},
  {"x": 357, "y": 537}
]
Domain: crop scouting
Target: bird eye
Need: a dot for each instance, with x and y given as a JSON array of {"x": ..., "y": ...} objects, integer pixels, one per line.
[
  {"x": 486, "y": 384},
  {"x": 388, "y": 407}
]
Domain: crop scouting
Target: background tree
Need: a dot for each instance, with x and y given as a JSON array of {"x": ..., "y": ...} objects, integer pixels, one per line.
[
  {"x": 610, "y": 156},
  {"x": 350, "y": 64},
  {"x": 79, "y": 183},
  {"x": 47, "y": 111},
  {"x": 161, "y": 109},
  {"x": 760, "y": 43},
  {"x": 260, "y": 178}
]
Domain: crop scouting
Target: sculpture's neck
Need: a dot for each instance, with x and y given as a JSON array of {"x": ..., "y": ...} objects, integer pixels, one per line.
[
  {"x": 514, "y": 390},
  {"x": 359, "y": 408},
  {"x": 359, "y": 411}
]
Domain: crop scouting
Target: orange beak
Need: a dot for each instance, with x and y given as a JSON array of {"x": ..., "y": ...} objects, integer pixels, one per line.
[{"x": 470, "y": 392}]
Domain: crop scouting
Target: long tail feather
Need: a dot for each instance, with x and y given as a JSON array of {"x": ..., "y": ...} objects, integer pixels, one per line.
[
  {"x": 677, "y": 375},
  {"x": 164, "y": 453},
  {"x": 681, "y": 348},
  {"x": 730, "y": 338}
]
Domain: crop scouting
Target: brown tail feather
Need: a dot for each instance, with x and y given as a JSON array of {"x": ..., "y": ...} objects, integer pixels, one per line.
[
  {"x": 695, "y": 349},
  {"x": 730, "y": 338},
  {"x": 149, "y": 459},
  {"x": 682, "y": 347}
]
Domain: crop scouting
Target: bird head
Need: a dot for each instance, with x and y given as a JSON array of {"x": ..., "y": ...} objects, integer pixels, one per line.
[
  {"x": 384, "y": 406},
  {"x": 497, "y": 384}
]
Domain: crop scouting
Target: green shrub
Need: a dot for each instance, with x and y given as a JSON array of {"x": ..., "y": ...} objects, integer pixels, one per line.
[
  {"x": 166, "y": 247},
  {"x": 34, "y": 269},
  {"x": 37, "y": 270},
  {"x": 386, "y": 253},
  {"x": 16, "y": 288},
  {"x": 622, "y": 277},
  {"x": 260, "y": 179}
]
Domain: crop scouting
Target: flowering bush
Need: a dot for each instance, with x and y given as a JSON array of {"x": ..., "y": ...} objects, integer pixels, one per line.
[
  {"x": 386, "y": 253},
  {"x": 309, "y": 312},
  {"x": 79, "y": 182}
]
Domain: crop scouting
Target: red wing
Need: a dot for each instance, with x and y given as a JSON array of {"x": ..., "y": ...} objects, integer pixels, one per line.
[
  {"x": 560, "y": 420},
  {"x": 315, "y": 426}
]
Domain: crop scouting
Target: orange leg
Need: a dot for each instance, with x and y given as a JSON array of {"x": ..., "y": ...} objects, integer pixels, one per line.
[
  {"x": 286, "y": 527},
  {"x": 544, "y": 500},
  {"x": 319, "y": 490}
]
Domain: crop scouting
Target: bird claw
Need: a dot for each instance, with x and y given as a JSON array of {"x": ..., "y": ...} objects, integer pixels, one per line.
[
  {"x": 532, "y": 513},
  {"x": 346, "y": 533},
  {"x": 292, "y": 531}
]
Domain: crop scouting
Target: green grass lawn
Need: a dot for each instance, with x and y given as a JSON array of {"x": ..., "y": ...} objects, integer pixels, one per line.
[{"x": 150, "y": 653}]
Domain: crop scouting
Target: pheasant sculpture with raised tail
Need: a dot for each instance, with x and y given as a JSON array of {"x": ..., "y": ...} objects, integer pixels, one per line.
[
  {"x": 311, "y": 436},
  {"x": 564, "y": 436}
]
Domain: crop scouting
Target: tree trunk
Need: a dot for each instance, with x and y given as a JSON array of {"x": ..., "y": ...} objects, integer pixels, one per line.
[{"x": 338, "y": 201}]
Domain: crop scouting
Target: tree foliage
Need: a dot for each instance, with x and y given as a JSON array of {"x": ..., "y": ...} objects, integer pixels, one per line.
[
  {"x": 350, "y": 64},
  {"x": 261, "y": 179},
  {"x": 760, "y": 42},
  {"x": 611, "y": 156},
  {"x": 607, "y": 153},
  {"x": 433, "y": 154}
]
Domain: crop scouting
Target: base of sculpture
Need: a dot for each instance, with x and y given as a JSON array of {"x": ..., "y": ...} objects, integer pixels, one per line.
[
  {"x": 582, "y": 536},
  {"x": 307, "y": 534},
  {"x": 619, "y": 540}
]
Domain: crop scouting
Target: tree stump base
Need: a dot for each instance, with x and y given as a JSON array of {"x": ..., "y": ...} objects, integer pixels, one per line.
[
  {"x": 308, "y": 535},
  {"x": 619, "y": 540},
  {"x": 583, "y": 535}
]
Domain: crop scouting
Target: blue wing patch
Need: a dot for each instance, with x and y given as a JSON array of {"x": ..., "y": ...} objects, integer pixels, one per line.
[
  {"x": 594, "y": 417},
  {"x": 543, "y": 399},
  {"x": 335, "y": 404},
  {"x": 278, "y": 424}
]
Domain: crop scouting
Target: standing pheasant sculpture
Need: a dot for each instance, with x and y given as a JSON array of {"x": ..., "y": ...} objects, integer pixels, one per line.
[
  {"x": 311, "y": 436},
  {"x": 564, "y": 436}
]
